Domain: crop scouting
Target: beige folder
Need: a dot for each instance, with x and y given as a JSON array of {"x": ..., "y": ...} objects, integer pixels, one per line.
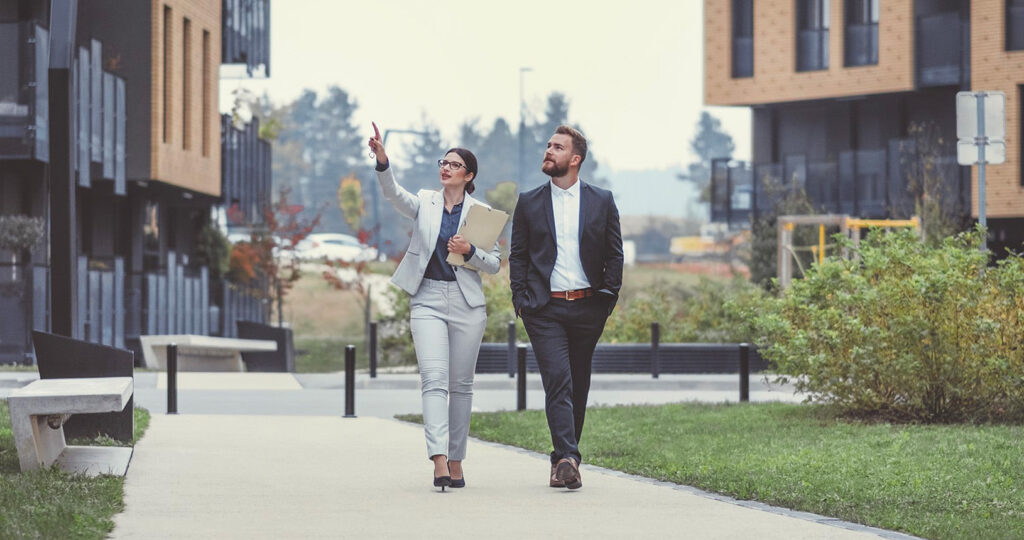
[{"x": 482, "y": 227}]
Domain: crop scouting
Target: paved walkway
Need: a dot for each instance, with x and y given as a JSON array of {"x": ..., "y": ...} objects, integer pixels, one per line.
[{"x": 217, "y": 476}]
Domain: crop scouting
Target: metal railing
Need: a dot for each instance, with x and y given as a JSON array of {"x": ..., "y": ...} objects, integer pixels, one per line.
[
  {"x": 812, "y": 49},
  {"x": 24, "y": 92},
  {"x": 861, "y": 45}
]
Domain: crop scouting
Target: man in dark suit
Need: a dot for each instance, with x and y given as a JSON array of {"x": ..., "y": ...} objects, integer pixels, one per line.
[{"x": 565, "y": 269}]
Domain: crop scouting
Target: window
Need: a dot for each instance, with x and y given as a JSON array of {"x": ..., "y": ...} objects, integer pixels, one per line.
[
  {"x": 742, "y": 38},
  {"x": 860, "y": 46},
  {"x": 1015, "y": 25},
  {"x": 167, "y": 75},
  {"x": 186, "y": 81},
  {"x": 812, "y": 17},
  {"x": 206, "y": 94}
]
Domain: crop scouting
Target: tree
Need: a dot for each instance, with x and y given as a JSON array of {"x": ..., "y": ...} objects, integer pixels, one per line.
[
  {"x": 931, "y": 181},
  {"x": 503, "y": 196},
  {"x": 535, "y": 139},
  {"x": 497, "y": 155},
  {"x": 350, "y": 201},
  {"x": 316, "y": 144},
  {"x": 709, "y": 142},
  {"x": 764, "y": 245},
  {"x": 267, "y": 261}
]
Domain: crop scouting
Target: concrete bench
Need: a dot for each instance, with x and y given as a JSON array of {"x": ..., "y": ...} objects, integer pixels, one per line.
[
  {"x": 39, "y": 410},
  {"x": 201, "y": 353}
]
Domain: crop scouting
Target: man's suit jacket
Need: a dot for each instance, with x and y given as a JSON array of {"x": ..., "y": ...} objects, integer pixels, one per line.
[
  {"x": 532, "y": 257},
  {"x": 426, "y": 208}
]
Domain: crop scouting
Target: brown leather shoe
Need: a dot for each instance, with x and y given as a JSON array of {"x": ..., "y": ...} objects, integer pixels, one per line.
[
  {"x": 555, "y": 482},
  {"x": 568, "y": 471}
]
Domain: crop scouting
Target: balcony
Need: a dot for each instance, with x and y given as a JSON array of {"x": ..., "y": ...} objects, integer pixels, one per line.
[
  {"x": 941, "y": 49},
  {"x": 99, "y": 119},
  {"x": 732, "y": 191},
  {"x": 812, "y": 50},
  {"x": 861, "y": 47},
  {"x": 246, "y": 34},
  {"x": 24, "y": 92},
  {"x": 245, "y": 169},
  {"x": 862, "y": 183}
]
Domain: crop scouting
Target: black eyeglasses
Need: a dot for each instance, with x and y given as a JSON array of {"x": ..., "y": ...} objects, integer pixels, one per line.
[{"x": 453, "y": 165}]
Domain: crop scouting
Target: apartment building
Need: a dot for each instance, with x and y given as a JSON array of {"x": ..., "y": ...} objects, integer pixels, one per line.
[
  {"x": 148, "y": 159},
  {"x": 845, "y": 94}
]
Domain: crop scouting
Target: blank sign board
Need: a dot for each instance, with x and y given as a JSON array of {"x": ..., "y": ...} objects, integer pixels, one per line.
[
  {"x": 967, "y": 115},
  {"x": 967, "y": 153}
]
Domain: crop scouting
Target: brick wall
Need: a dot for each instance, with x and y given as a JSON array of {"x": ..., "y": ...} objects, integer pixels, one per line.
[
  {"x": 775, "y": 77},
  {"x": 995, "y": 68},
  {"x": 170, "y": 162}
]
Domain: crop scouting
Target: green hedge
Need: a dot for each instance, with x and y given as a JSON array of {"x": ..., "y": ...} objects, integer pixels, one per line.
[
  {"x": 713, "y": 311},
  {"x": 905, "y": 331}
]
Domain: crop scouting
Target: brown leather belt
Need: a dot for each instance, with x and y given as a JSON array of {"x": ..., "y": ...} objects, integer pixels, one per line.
[{"x": 572, "y": 295}]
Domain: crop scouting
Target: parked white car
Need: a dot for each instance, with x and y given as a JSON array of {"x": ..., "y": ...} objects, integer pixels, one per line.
[{"x": 335, "y": 247}]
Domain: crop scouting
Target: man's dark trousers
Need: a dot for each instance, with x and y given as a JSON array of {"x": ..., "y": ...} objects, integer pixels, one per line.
[{"x": 564, "y": 334}]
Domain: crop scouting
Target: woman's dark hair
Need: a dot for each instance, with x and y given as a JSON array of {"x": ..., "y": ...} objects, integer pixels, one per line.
[{"x": 470, "y": 160}]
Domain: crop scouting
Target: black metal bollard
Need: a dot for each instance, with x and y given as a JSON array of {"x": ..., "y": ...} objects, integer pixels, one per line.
[
  {"x": 521, "y": 385},
  {"x": 511, "y": 349},
  {"x": 655, "y": 353},
  {"x": 350, "y": 381},
  {"x": 744, "y": 372},
  {"x": 172, "y": 378},
  {"x": 373, "y": 350}
]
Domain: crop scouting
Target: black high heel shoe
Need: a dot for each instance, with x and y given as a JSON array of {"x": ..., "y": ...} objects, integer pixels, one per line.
[
  {"x": 443, "y": 482},
  {"x": 458, "y": 483}
]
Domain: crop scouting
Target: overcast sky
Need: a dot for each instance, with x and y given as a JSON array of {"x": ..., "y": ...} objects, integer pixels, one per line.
[{"x": 633, "y": 71}]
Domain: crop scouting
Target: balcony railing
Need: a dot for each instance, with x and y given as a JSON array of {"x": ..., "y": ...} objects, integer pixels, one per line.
[
  {"x": 863, "y": 183},
  {"x": 940, "y": 44},
  {"x": 100, "y": 120},
  {"x": 24, "y": 92},
  {"x": 743, "y": 57},
  {"x": 246, "y": 34},
  {"x": 245, "y": 164},
  {"x": 861, "y": 47},
  {"x": 812, "y": 50},
  {"x": 732, "y": 191}
]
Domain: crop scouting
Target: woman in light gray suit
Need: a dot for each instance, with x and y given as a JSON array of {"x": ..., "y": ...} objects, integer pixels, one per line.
[{"x": 447, "y": 310}]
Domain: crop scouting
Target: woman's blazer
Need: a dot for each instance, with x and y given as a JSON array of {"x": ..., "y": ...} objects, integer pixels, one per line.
[{"x": 426, "y": 209}]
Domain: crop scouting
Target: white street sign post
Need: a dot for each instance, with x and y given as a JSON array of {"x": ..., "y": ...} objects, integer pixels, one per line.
[{"x": 981, "y": 126}]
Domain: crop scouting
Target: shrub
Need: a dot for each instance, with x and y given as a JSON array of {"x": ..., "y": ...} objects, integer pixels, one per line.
[
  {"x": 18, "y": 233},
  {"x": 714, "y": 311},
  {"x": 905, "y": 331}
]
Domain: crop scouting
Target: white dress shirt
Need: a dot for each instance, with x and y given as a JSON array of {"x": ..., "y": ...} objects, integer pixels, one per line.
[{"x": 567, "y": 274}]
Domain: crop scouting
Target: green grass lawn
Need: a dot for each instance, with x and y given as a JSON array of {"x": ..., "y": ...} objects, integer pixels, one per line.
[
  {"x": 937, "y": 481},
  {"x": 50, "y": 503}
]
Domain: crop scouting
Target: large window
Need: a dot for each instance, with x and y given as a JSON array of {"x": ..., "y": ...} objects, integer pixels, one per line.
[
  {"x": 205, "y": 122},
  {"x": 742, "y": 38},
  {"x": 167, "y": 75},
  {"x": 1015, "y": 25},
  {"x": 860, "y": 45},
  {"x": 812, "y": 18},
  {"x": 186, "y": 84}
]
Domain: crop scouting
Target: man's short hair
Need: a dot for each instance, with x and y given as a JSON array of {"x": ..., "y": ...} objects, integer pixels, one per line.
[{"x": 579, "y": 142}]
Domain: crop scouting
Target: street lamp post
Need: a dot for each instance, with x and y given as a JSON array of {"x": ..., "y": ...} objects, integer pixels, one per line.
[{"x": 522, "y": 127}]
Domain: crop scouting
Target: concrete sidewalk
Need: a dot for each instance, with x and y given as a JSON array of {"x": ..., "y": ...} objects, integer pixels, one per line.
[
  {"x": 240, "y": 476},
  {"x": 322, "y": 394}
]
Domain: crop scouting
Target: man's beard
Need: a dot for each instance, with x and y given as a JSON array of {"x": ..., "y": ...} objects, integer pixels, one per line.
[{"x": 552, "y": 169}]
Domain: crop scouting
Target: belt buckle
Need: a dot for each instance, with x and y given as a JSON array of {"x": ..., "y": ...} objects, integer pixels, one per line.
[{"x": 567, "y": 299}]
